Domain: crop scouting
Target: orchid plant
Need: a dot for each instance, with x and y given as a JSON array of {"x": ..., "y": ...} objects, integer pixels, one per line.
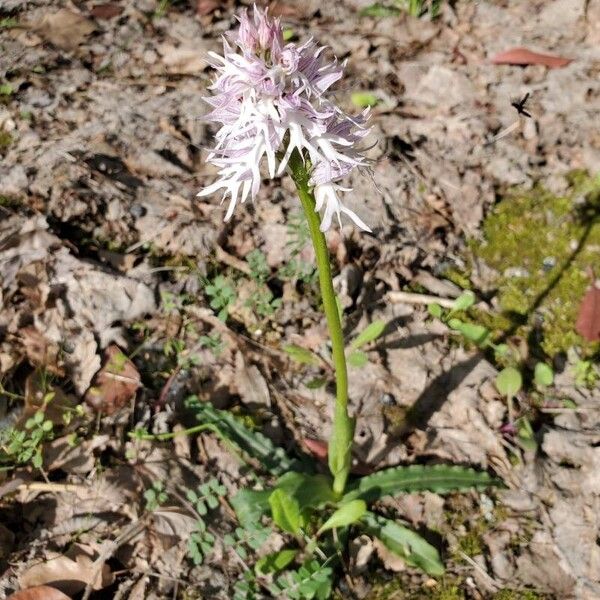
[{"x": 270, "y": 101}]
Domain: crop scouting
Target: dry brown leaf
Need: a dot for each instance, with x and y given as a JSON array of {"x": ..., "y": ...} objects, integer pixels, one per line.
[
  {"x": 523, "y": 56},
  {"x": 64, "y": 28},
  {"x": 588, "y": 321},
  {"x": 106, "y": 11},
  {"x": 70, "y": 575},
  {"x": 205, "y": 7},
  {"x": 41, "y": 352},
  {"x": 173, "y": 523},
  {"x": 36, "y": 398},
  {"x": 391, "y": 561},
  {"x": 39, "y": 592},
  {"x": 115, "y": 384},
  {"x": 316, "y": 448}
]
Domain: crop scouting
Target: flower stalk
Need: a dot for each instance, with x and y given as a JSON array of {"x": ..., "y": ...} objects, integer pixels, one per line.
[{"x": 340, "y": 442}]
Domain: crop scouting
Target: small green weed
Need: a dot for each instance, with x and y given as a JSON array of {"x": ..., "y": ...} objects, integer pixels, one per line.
[{"x": 221, "y": 294}]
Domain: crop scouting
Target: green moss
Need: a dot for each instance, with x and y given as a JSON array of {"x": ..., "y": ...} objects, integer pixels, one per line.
[
  {"x": 541, "y": 245},
  {"x": 448, "y": 588},
  {"x": 5, "y": 140},
  {"x": 518, "y": 595}
]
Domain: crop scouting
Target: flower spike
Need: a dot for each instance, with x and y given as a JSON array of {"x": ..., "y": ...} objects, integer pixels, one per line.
[{"x": 269, "y": 101}]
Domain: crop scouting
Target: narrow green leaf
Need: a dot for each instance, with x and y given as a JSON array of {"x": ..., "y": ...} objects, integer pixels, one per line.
[
  {"x": 316, "y": 383},
  {"x": 525, "y": 434},
  {"x": 339, "y": 456},
  {"x": 471, "y": 331},
  {"x": 348, "y": 513},
  {"x": 509, "y": 381},
  {"x": 276, "y": 561},
  {"x": 435, "y": 310},
  {"x": 405, "y": 543},
  {"x": 357, "y": 359},
  {"x": 379, "y": 10},
  {"x": 369, "y": 334},
  {"x": 286, "y": 511},
  {"x": 302, "y": 355},
  {"x": 416, "y": 478},
  {"x": 253, "y": 443},
  {"x": 464, "y": 301},
  {"x": 364, "y": 99},
  {"x": 543, "y": 375}
]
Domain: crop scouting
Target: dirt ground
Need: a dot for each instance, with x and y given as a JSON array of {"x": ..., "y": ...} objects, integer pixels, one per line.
[{"x": 105, "y": 252}]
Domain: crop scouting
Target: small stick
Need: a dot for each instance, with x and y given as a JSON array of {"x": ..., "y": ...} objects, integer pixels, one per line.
[{"x": 412, "y": 298}]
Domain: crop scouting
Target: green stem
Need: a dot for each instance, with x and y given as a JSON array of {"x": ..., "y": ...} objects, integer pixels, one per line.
[{"x": 340, "y": 443}]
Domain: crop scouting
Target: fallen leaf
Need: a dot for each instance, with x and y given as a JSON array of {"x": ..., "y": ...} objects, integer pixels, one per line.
[
  {"x": 51, "y": 399},
  {"x": 173, "y": 523},
  {"x": 106, "y": 11},
  {"x": 70, "y": 575},
  {"x": 64, "y": 28},
  {"x": 115, "y": 384},
  {"x": 39, "y": 592},
  {"x": 205, "y": 7},
  {"x": 391, "y": 561},
  {"x": 523, "y": 56},
  {"x": 41, "y": 352},
  {"x": 588, "y": 321},
  {"x": 316, "y": 447}
]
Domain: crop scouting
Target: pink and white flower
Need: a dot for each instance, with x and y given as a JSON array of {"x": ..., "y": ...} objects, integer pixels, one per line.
[{"x": 269, "y": 101}]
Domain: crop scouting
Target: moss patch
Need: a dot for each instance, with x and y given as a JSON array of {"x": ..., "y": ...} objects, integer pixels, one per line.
[
  {"x": 541, "y": 246},
  {"x": 5, "y": 140}
]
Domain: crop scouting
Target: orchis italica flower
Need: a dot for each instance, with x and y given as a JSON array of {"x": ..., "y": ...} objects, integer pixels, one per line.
[{"x": 269, "y": 100}]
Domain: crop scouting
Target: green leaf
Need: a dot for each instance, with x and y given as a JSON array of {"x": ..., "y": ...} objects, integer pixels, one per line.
[
  {"x": 464, "y": 301},
  {"x": 276, "y": 561},
  {"x": 357, "y": 359},
  {"x": 316, "y": 383},
  {"x": 471, "y": 331},
  {"x": 525, "y": 434},
  {"x": 288, "y": 34},
  {"x": 500, "y": 351},
  {"x": 417, "y": 478},
  {"x": 339, "y": 456},
  {"x": 8, "y": 23},
  {"x": 348, "y": 513},
  {"x": 6, "y": 89},
  {"x": 310, "y": 491},
  {"x": 509, "y": 381},
  {"x": 286, "y": 511},
  {"x": 364, "y": 99},
  {"x": 435, "y": 310},
  {"x": 369, "y": 334},
  {"x": 405, "y": 543},
  {"x": 253, "y": 443},
  {"x": 543, "y": 374},
  {"x": 379, "y": 10},
  {"x": 250, "y": 506},
  {"x": 302, "y": 355}
]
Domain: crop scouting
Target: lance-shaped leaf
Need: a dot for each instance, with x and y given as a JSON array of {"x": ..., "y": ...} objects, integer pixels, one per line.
[
  {"x": 417, "y": 478},
  {"x": 286, "y": 512},
  {"x": 405, "y": 543},
  {"x": 369, "y": 334},
  {"x": 348, "y": 513}
]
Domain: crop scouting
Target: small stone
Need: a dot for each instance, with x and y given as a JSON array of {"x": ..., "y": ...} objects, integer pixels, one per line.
[{"x": 548, "y": 263}]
